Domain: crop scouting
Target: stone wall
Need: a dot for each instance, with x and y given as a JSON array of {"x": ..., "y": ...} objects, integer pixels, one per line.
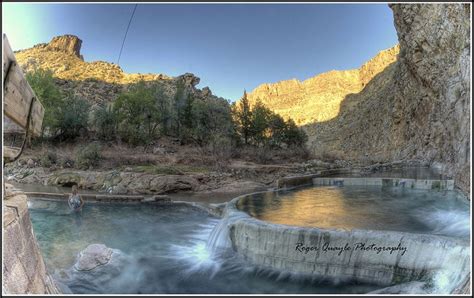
[{"x": 24, "y": 271}]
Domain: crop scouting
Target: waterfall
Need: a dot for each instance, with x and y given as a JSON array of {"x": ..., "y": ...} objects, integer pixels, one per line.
[{"x": 219, "y": 240}]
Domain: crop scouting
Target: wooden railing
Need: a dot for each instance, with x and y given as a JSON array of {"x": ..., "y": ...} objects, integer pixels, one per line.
[{"x": 20, "y": 104}]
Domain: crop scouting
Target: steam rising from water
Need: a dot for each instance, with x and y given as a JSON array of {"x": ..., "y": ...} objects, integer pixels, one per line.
[
  {"x": 447, "y": 222},
  {"x": 178, "y": 250}
]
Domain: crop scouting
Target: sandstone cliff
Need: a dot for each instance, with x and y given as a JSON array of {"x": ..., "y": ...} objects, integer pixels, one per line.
[
  {"x": 418, "y": 107},
  {"x": 97, "y": 81},
  {"x": 319, "y": 98}
]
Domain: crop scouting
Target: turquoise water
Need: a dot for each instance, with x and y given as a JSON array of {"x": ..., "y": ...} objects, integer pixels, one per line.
[
  {"x": 166, "y": 246},
  {"x": 365, "y": 207}
]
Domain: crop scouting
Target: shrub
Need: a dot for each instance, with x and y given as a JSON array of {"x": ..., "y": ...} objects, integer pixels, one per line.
[
  {"x": 263, "y": 154},
  {"x": 220, "y": 148},
  {"x": 73, "y": 118},
  {"x": 67, "y": 162},
  {"x": 89, "y": 156},
  {"x": 105, "y": 121},
  {"x": 48, "y": 159}
]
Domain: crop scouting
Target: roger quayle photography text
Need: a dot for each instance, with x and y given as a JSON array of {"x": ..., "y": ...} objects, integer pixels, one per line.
[{"x": 361, "y": 246}]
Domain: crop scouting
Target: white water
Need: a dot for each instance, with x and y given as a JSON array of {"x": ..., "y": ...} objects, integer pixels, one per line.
[
  {"x": 183, "y": 252},
  {"x": 219, "y": 241},
  {"x": 196, "y": 253},
  {"x": 455, "y": 223},
  {"x": 219, "y": 237}
]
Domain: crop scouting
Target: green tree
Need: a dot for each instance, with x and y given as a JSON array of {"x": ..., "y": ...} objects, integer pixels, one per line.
[
  {"x": 211, "y": 120},
  {"x": 137, "y": 114},
  {"x": 260, "y": 117},
  {"x": 73, "y": 118},
  {"x": 42, "y": 83},
  {"x": 179, "y": 103},
  {"x": 188, "y": 112},
  {"x": 243, "y": 118},
  {"x": 277, "y": 127},
  {"x": 162, "y": 103},
  {"x": 294, "y": 136}
]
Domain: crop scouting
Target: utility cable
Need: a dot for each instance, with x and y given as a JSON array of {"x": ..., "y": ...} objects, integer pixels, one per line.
[{"x": 123, "y": 42}]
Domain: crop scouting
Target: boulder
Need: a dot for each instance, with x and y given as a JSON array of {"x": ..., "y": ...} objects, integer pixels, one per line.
[
  {"x": 30, "y": 163},
  {"x": 93, "y": 256},
  {"x": 98, "y": 269}
]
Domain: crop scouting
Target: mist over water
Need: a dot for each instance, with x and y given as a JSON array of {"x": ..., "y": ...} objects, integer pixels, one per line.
[{"x": 166, "y": 249}]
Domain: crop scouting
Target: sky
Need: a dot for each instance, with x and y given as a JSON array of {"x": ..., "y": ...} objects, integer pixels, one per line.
[{"x": 231, "y": 47}]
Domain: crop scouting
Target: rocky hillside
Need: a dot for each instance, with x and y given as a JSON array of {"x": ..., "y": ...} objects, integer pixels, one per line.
[
  {"x": 96, "y": 81},
  {"x": 319, "y": 98},
  {"x": 419, "y": 106}
]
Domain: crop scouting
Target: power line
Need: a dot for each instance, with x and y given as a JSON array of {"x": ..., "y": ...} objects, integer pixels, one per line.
[{"x": 123, "y": 42}]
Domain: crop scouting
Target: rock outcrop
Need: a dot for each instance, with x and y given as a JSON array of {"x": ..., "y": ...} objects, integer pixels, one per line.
[
  {"x": 96, "y": 81},
  {"x": 70, "y": 44},
  {"x": 319, "y": 98}
]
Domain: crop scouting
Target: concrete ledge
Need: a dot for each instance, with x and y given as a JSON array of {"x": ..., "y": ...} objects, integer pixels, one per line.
[
  {"x": 388, "y": 182},
  {"x": 320, "y": 179},
  {"x": 274, "y": 246},
  {"x": 102, "y": 198},
  {"x": 306, "y": 180}
]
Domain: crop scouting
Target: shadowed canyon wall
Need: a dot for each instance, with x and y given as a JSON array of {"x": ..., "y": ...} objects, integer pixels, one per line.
[
  {"x": 415, "y": 108},
  {"x": 418, "y": 107}
]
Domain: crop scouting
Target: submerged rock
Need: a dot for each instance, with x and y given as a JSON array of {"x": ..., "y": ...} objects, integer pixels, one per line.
[
  {"x": 98, "y": 269},
  {"x": 93, "y": 256}
]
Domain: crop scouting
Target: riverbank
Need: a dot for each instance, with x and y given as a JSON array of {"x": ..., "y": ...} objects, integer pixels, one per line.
[{"x": 238, "y": 177}]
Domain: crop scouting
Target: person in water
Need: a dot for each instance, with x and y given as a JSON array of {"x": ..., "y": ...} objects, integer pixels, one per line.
[{"x": 75, "y": 201}]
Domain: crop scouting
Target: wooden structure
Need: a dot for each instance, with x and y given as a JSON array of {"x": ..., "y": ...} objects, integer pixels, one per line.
[{"x": 20, "y": 104}]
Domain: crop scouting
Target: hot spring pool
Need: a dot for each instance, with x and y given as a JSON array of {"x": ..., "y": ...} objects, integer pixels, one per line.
[
  {"x": 167, "y": 248},
  {"x": 364, "y": 207}
]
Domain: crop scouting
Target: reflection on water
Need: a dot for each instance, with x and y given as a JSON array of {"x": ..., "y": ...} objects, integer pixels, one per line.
[
  {"x": 168, "y": 249},
  {"x": 364, "y": 207}
]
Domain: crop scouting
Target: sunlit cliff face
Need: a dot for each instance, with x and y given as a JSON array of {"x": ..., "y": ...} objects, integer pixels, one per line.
[{"x": 319, "y": 98}]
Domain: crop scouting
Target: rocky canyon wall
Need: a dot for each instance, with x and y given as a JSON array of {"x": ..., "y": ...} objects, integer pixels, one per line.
[
  {"x": 319, "y": 98},
  {"x": 418, "y": 107}
]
